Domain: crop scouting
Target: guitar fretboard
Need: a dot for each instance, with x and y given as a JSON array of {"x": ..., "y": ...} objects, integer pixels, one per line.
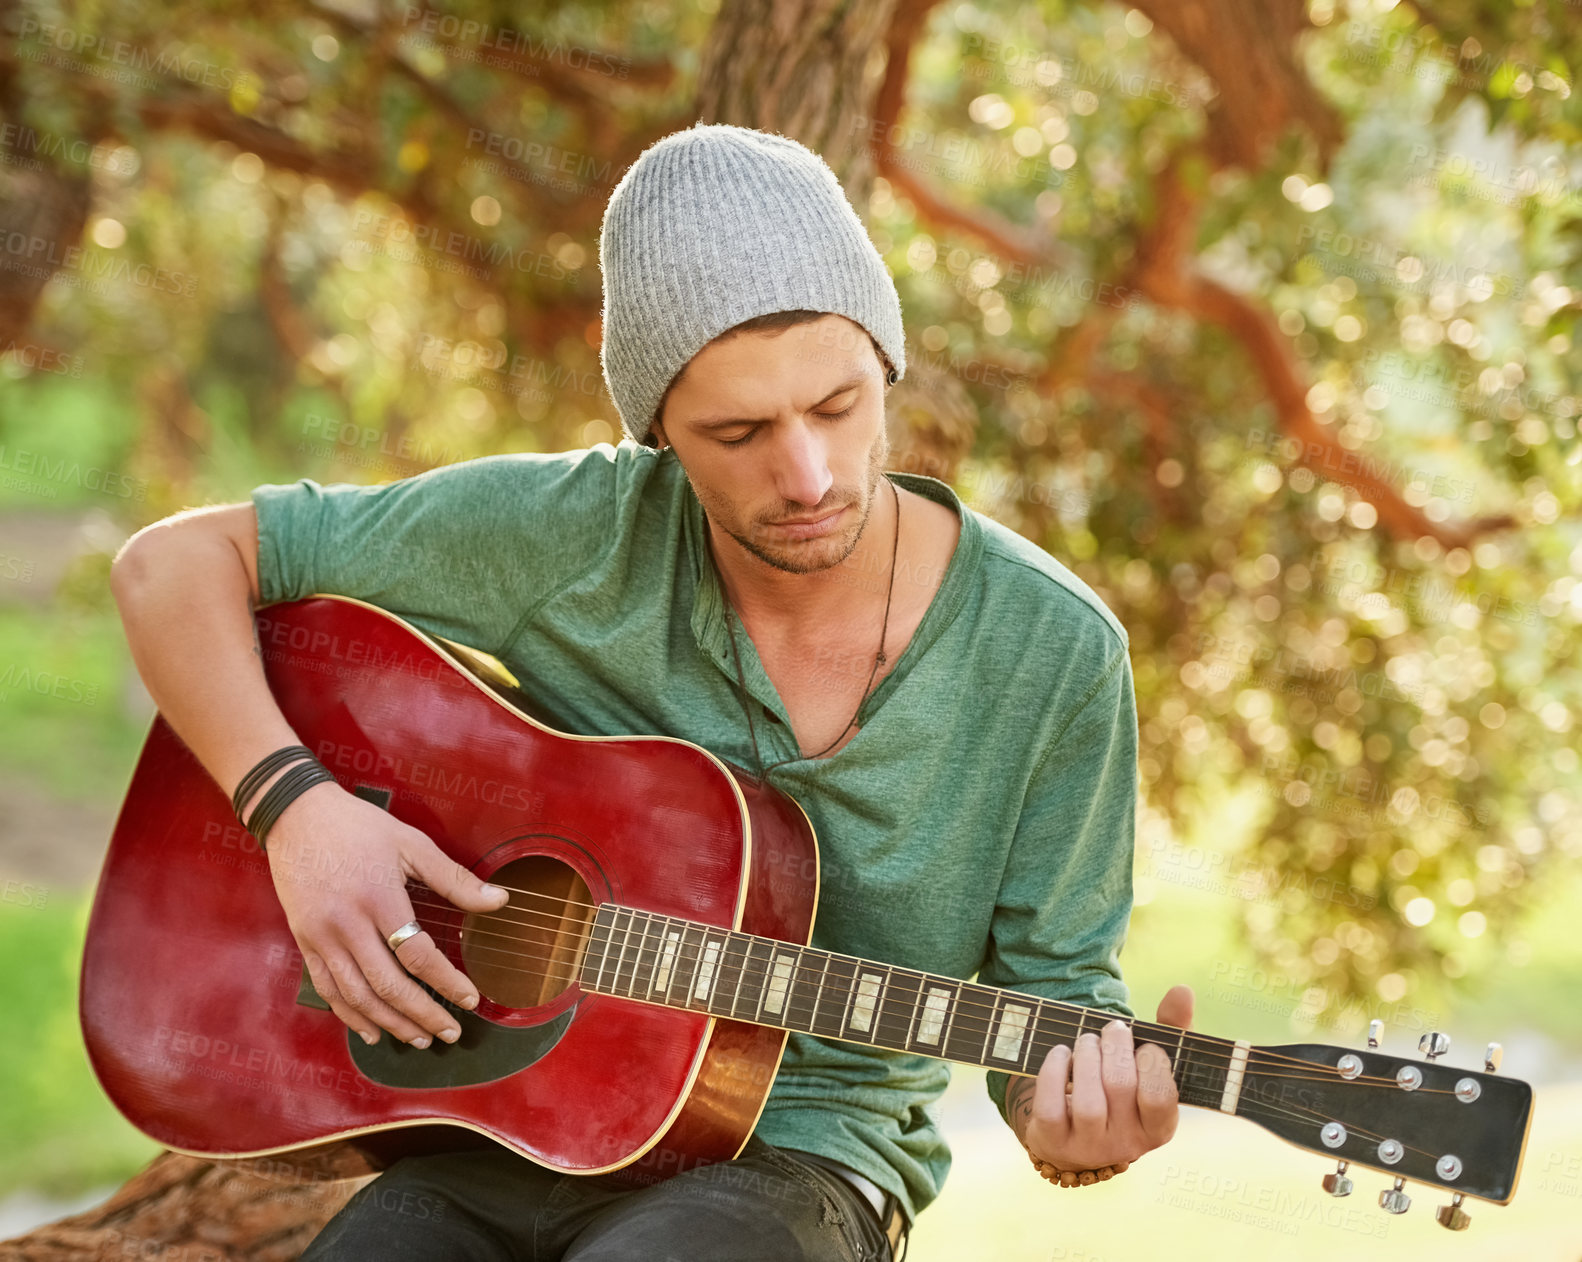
[{"x": 683, "y": 964}]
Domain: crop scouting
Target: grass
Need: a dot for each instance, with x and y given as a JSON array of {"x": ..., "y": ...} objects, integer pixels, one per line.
[{"x": 63, "y": 1136}]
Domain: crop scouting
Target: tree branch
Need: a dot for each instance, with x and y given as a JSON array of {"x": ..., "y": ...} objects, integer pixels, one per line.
[
  {"x": 1164, "y": 275},
  {"x": 1008, "y": 240}
]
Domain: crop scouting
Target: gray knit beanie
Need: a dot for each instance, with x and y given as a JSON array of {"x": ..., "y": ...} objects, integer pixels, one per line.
[{"x": 717, "y": 224}]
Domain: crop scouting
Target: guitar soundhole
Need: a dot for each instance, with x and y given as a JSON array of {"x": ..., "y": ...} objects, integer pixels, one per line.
[{"x": 525, "y": 954}]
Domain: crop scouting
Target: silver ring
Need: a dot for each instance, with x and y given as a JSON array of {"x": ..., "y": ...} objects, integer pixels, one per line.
[{"x": 409, "y": 930}]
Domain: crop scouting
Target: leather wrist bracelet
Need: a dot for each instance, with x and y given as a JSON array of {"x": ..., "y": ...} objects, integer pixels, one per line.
[
  {"x": 262, "y": 770},
  {"x": 283, "y": 792}
]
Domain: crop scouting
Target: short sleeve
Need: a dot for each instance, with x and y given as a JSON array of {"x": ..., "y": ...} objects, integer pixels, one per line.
[
  {"x": 465, "y": 550},
  {"x": 1066, "y": 894}
]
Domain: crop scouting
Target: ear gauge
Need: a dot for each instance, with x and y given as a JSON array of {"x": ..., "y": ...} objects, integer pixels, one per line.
[{"x": 893, "y": 376}]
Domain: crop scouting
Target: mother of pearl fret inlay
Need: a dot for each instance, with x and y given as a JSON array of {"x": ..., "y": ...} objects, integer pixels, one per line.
[
  {"x": 862, "y": 1003},
  {"x": 779, "y": 980},
  {"x": 933, "y": 1015},
  {"x": 711, "y": 952},
  {"x": 667, "y": 957},
  {"x": 1013, "y": 1026}
]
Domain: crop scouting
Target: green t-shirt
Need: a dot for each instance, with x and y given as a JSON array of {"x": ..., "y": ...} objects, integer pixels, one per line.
[{"x": 981, "y": 821}]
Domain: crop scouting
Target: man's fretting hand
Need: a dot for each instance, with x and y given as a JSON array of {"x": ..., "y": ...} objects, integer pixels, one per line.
[{"x": 1122, "y": 1103}]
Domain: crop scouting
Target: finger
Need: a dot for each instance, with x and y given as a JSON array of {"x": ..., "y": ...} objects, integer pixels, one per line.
[
  {"x": 1176, "y": 1007},
  {"x": 1049, "y": 1093},
  {"x": 1118, "y": 1065},
  {"x": 364, "y": 996},
  {"x": 1088, "y": 1109},
  {"x": 393, "y": 984},
  {"x": 449, "y": 879},
  {"x": 1158, "y": 1108},
  {"x": 423, "y": 959},
  {"x": 319, "y": 975}
]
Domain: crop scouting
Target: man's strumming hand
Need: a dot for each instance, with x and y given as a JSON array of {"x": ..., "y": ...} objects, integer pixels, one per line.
[
  {"x": 1123, "y": 1102},
  {"x": 341, "y": 867}
]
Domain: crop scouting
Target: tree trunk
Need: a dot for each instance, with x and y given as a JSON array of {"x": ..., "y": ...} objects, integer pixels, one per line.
[
  {"x": 806, "y": 69},
  {"x": 790, "y": 66}
]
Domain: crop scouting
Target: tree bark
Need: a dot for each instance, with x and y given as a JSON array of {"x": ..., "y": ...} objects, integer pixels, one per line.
[
  {"x": 807, "y": 69},
  {"x": 182, "y": 1209}
]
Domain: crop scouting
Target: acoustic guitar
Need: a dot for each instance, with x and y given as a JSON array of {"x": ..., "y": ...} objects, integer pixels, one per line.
[{"x": 652, "y": 957}]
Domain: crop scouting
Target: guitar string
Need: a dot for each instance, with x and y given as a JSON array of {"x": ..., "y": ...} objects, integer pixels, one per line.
[
  {"x": 1191, "y": 1058},
  {"x": 730, "y": 954},
  {"x": 1328, "y": 1074},
  {"x": 595, "y": 907},
  {"x": 1328, "y": 1071},
  {"x": 1322, "y": 1074}
]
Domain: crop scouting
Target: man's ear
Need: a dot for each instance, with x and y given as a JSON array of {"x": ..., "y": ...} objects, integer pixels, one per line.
[{"x": 656, "y": 436}]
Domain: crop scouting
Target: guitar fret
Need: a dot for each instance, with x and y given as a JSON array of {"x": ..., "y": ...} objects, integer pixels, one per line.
[
  {"x": 755, "y": 977},
  {"x": 733, "y": 959},
  {"x": 818, "y": 993},
  {"x": 938, "y": 1011},
  {"x": 637, "y": 987},
  {"x": 1198, "y": 1081},
  {"x": 707, "y": 965},
  {"x": 897, "y": 1009},
  {"x": 626, "y": 945},
  {"x": 967, "y": 1025},
  {"x": 612, "y": 984},
  {"x": 604, "y": 955},
  {"x": 666, "y": 964},
  {"x": 866, "y": 997},
  {"x": 804, "y": 992},
  {"x": 1044, "y": 1035},
  {"x": 1032, "y": 1036},
  {"x": 662, "y": 951},
  {"x": 598, "y": 941},
  {"x": 692, "y": 937},
  {"x": 1006, "y": 1029},
  {"x": 836, "y": 989},
  {"x": 782, "y": 965},
  {"x": 848, "y": 1007}
]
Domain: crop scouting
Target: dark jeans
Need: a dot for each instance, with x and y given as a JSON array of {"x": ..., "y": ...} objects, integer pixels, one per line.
[{"x": 491, "y": 1205}]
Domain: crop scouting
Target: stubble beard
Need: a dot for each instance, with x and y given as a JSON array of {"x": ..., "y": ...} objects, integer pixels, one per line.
[{"x": 814, "y": 555}]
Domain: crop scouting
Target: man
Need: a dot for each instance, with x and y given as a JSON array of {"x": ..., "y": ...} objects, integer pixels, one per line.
[{"x": 951, "y": 706}]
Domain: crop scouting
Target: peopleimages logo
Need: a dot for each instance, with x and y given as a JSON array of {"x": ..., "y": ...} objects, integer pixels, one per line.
[
  {"x": 32, "y": 255},
  {"x": 60, "y": 470},
  {"x": 431, "y": 23}
]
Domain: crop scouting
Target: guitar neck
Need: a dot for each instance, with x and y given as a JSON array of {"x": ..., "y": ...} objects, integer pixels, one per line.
[{"x": 680, "y": 963}]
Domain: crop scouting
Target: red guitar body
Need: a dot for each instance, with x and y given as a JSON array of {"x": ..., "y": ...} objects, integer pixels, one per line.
[{"x": 204, "y": 1032}]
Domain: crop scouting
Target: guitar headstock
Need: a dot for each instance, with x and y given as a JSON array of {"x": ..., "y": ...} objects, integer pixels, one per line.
[{"x": 1410, "y": 1119}]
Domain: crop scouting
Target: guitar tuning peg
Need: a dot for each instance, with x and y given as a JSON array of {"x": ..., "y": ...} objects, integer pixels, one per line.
[
  {"x": 1452, "y": 1215},
  {"x": 1337, "y": 1184},
  {"x": 1434, "y": 1044},
  {"x": 1394, "y": 1200},
  {"x": 1492, "y": 1058},
  {"x": 1375, "y": 1032}
]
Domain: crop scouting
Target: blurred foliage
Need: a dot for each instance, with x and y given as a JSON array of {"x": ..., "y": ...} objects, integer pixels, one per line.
[
  {"x": 63, "y": 1134},
  {"x": 359, "y": 240}
]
